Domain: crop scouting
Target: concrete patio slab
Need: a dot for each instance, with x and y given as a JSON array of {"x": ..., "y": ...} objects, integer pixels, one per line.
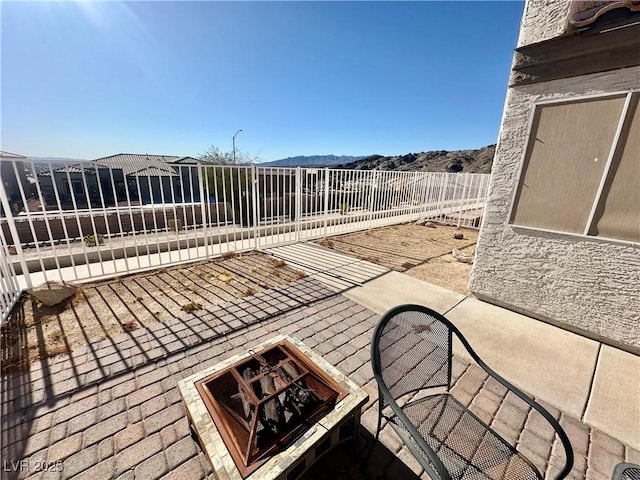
[
  {"x": 553, "y": 364},
  {"x": 614, "y": 405},
  {"x": 336, "y": 270},
  {"x": 394, "y": 288}
]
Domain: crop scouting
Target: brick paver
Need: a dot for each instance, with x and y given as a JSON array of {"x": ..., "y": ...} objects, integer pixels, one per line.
[{"x": 112, "y": 410}]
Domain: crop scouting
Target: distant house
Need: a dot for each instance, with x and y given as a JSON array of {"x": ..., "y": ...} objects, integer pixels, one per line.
[
  {"x": 13, "y": 176},
  {"x": 117, "y": 179},
  {"x": 561, "y": 233}
]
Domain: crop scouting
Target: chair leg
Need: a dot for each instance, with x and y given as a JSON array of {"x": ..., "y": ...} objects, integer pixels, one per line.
[{"x": 375, "y": 439}]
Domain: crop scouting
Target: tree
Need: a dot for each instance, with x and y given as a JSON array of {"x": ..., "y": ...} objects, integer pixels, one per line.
[
  {"x": 231, "y": 181},
  {"x": 215, "y": 156}
]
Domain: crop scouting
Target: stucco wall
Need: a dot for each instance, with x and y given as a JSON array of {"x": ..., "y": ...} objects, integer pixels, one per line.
[
  {"x": 586, "y": 285},
  {"x": 542, "y": 20}
]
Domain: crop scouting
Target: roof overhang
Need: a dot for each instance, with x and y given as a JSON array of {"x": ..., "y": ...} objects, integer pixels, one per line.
[{"x": 608, "y": 39}]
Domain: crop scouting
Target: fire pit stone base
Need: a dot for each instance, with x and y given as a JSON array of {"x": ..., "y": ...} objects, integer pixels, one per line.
[{"x": 339, "y": 424}]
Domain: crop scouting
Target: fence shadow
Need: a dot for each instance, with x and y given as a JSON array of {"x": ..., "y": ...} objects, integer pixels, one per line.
[
  {"x": 16, "y": 394},
  {"x": 52, "y": 383}
]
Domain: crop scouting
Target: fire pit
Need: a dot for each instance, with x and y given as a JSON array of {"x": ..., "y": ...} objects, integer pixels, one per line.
[
  {"x": 272, "y": 411},
  {"x": 263, "y": 402}
]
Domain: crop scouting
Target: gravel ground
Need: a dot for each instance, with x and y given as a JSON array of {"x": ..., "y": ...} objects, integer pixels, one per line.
[{"x": 418, "y": 251}]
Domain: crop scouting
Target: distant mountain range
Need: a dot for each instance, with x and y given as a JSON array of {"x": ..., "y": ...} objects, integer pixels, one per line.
[
  {"x": 311, "y": 161},
  {"x": 472, "y": 161}
]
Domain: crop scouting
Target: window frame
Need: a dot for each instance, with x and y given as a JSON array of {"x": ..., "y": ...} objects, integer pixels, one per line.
[{"x": 624, "y": 117}]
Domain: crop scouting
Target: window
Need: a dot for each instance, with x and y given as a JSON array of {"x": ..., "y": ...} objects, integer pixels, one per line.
[
  {"x": 78, "y": 187},
  {"x": 581, "y": 169}
]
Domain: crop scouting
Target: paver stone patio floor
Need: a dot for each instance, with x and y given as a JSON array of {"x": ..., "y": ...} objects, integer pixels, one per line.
[{"x": 112, "y": 410}]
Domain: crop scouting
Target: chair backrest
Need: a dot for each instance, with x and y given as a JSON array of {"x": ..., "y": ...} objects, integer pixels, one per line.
[{"x": 412, "y": 350}]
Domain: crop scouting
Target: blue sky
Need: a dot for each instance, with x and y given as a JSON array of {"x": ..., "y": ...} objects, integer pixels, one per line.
[{"x": 85, "y": 80}]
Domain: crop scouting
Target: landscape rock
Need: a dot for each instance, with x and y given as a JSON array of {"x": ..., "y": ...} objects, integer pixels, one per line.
[
  {"x": 455, "y": 167},
  {"x": 430, "y": 225},
  {"x": 461, "y": 257},
  {"x": 52, "y": 293},
  {"x": 458, "y": 236},
  {"x": 420, "y": 222},
  {"x": 224, "y": 277}
]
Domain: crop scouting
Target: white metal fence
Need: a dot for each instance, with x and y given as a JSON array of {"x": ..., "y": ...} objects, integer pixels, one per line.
[
  {"x": 8, "y": 280},
  {"x": 85, "y": 221}
]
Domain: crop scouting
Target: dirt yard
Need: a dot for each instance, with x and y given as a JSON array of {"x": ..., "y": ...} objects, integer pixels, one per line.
[
  {"x": 103, "y": 309},
  {"x": 419, "y": 251}
]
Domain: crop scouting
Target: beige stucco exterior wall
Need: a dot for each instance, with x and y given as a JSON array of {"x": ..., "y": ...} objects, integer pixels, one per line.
[
  {"x": 542, "y": 20},
  {"x": 586, "y": 285}
]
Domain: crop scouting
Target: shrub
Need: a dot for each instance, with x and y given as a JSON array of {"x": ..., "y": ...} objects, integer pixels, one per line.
[
  {"x": 93, "y": 240},
  {"x": 129, "y": 326},
  {"x": 191, "y": 307}
]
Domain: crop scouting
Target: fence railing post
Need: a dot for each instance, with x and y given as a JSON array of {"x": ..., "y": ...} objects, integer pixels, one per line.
[
  {"x": 326, "y": 199},
  {"x": 254, "y": 206},
  {"x": 8, "y": 280},
  {"x": 372, "y": 177},
  {"x": 205, "y": 230},
  {"x": 464, "y": 189},
  {"x": 14, "y": 233},
  {"x": 413, "y": 196},
  {"x": 424, "y": 190},
  {"x": 298, "y": 204},
  {"x": 443, "y": 187}
]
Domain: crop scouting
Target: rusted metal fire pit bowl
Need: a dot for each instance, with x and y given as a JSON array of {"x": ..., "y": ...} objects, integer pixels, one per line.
[
  {"x": 271, "y": 411},
  {"x": 263, "y": 402}
]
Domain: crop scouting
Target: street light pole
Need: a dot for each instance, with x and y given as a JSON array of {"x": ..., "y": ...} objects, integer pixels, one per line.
[{"x": 234, "y": 145}]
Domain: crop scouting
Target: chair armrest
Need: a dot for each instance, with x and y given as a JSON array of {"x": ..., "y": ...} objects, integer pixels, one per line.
[{"x": 566, "y": 444}]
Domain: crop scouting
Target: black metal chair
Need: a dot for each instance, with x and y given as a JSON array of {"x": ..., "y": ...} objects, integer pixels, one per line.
[{"x": 411, "y": 355}]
